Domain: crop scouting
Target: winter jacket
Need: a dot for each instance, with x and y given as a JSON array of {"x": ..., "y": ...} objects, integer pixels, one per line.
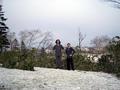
[
  {"x": 58, "y": 50},
  {"x": 70, "y": 51}
]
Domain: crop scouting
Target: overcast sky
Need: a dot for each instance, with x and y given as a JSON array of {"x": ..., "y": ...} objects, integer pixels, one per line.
[{"x": 63, "y": 18}]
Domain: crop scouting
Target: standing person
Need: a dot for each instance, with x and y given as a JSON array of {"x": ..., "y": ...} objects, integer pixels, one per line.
[
  {"x": 58, "y": 53},
  {"x": 70, "y": 52}
]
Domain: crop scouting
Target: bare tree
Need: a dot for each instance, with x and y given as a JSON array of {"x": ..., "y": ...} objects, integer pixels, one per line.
[
  {"x": 46, "y": 41},
  {"x": 29, "y": 37},
  {"x": 99, "y": 42},
  {"x": 11, "y": 37},
  {"x": 15, "y": 44},
  {"x": 35, "y": 38},
  {"x": 81, "y": 38}
]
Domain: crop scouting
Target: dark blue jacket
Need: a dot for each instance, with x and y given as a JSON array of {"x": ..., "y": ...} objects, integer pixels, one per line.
[{"x": 70, "y": 51}]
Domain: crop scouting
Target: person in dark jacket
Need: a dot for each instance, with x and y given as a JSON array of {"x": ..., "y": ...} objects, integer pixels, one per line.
[
  {"x": 58, "y": 53},
  {"x": 70, "y": 52}
]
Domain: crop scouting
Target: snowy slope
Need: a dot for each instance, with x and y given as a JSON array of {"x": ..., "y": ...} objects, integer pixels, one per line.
[{"x": 55, "y": 79}]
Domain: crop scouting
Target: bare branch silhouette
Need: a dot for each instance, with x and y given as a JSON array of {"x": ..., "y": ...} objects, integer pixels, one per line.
[{"x": 115, "y": 2}]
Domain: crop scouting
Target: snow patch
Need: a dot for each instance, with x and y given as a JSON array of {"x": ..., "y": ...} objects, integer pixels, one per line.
[{"x": 56, "y": 79}]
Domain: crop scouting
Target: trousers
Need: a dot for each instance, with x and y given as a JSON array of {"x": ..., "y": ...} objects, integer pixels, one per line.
[
  {"x": 70, "y": 64},
  {"x": 58, "y": 61}
]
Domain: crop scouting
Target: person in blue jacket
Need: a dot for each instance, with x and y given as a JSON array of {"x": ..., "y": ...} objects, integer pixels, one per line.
[
  {"x": 58, "y": 53},
  {"x": 70, "y": 52}
]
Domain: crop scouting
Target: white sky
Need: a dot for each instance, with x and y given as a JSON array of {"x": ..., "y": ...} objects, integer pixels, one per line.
[{"x": 63, "y": 18}]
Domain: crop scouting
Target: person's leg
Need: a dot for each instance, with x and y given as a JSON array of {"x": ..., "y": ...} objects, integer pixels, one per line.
[
  {"x": 71, "y": 63},
  {"x": 68, "y": 63},
  {"x": 58, "y": 62}
]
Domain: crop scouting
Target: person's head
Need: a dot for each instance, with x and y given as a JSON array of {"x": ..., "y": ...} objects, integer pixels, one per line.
[
  {"x": 68, "y": 45},
  {"x": 58, "y": 41}
]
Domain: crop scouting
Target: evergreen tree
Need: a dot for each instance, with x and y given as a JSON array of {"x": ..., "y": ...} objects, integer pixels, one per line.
[
  {"x": 114, "y": 50},
  {"x": 23, "y": 46},
  {"x": 4, "y": 43}
]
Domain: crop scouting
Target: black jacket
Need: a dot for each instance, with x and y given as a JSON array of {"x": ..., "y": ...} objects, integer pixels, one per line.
[{"x": 70, "y": 51}]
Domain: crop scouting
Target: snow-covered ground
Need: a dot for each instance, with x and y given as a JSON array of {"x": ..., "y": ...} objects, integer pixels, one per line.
[{"x": 55, "y": 79}]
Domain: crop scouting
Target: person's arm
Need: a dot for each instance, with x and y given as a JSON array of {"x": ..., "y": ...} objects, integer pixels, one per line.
[
  {"x": 73, "y": 51},
  {"x": 66, "y": 50},
  {"x": 62, "y": 47},
  {"x": 54, "y": 47}
]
